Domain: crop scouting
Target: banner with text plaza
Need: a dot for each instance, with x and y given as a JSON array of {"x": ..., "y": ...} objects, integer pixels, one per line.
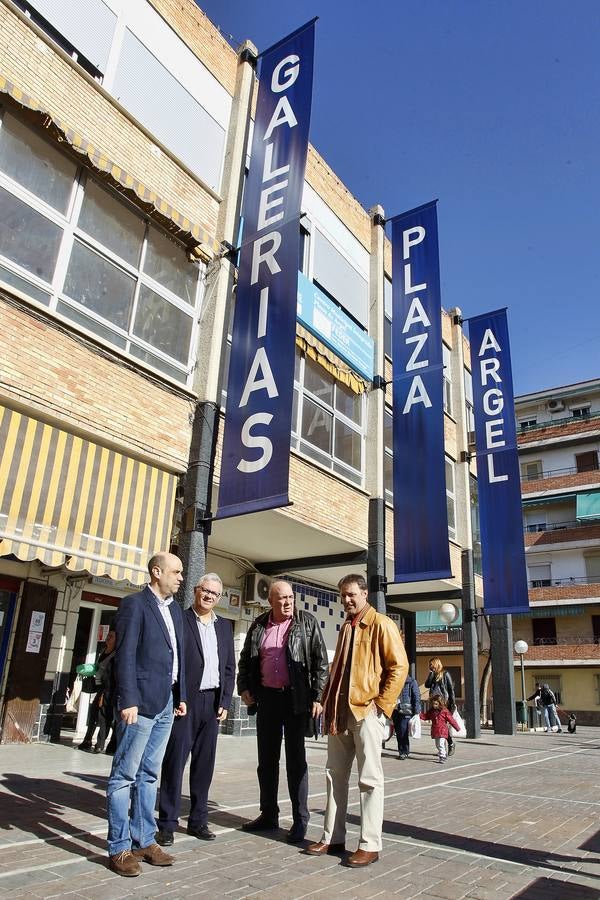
[
  {"x": 256, "y": 440},
  {"x": 421, "y": 549},
  {"x": 498, "y": 477}
]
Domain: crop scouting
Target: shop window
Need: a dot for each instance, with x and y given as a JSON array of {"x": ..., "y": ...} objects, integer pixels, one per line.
[{"x": 84, "y": 252}]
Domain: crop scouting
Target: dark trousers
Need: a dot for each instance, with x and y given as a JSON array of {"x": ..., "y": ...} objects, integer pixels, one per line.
[
  {"x": 275, "y": 719},
  {"x": 401, "y": 727},
  {"x": 194, "y": 733},
  {"x": 101, "y": 716}
]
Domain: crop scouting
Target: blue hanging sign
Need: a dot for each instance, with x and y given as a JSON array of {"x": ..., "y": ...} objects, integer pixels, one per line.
[
  {"x": 334, "y": 328},
  {"x": 421, "y": 548},
  {"x": 498, "y": 477},
  {"x": 256, "y": 440}
]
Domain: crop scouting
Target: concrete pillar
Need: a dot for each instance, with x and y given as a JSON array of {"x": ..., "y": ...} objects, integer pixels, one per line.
[
  {"x": 198, "y": 483},
  {"x": 503, "y": 675},
  {"x": 376, "y": 407},
  {"x": 470, "y": 647}
]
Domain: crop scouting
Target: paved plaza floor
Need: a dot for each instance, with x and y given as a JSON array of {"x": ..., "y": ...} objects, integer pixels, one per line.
[{"x": 505, "y": 817}]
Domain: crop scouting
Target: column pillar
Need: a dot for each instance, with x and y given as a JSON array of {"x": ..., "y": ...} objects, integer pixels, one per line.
[{"x": 503, "y": 676}]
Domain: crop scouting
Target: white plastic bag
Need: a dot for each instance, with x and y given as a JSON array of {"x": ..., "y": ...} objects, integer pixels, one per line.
[
  {"x": 462, "y": 731},
  {"x": 414, "y": 727}
]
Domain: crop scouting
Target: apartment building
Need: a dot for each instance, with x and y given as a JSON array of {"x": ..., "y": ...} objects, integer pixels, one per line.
[
  {"x": 559, "y": 445},
  {"x": 120, "y": 125}
]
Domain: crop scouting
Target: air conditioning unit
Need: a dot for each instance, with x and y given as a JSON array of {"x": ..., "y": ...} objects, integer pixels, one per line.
[
  {"x": 555, "y": 405},
  {"x": 257, "y": 590}
]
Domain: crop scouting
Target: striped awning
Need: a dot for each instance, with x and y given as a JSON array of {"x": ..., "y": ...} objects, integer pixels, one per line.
[{"x": 66, "y": 500}]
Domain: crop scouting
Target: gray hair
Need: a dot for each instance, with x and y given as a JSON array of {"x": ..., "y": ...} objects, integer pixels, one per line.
[{"x": 210, "y": 576}]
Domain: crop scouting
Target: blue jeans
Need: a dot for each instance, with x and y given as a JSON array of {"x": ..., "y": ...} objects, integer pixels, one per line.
[
  {"x": 551, "y": 717},
  {"x": 133, "y": 780}
]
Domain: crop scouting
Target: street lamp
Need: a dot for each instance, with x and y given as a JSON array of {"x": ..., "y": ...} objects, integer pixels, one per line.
[
  {"x": 521, "y": 647},
  {"x": 448, "y": 613}
]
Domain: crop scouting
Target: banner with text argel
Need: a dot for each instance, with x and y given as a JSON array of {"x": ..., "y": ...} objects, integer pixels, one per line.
[
  {"x": 498, "y": 476},
  {"x": 421, "y": 548},
  {"x": 256, "y": 440}
]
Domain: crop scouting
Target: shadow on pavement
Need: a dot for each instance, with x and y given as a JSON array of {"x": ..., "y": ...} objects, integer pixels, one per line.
[
  {"x": 592, "y": 844},
  {"x": 526, "y": 856},
  {"x": 41, "y": 807},
  {"x": 549, "y": 889}
]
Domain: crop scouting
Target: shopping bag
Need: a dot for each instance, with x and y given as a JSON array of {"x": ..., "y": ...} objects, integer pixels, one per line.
[
  {"x": 462, "y": 731},
  {"x": 414, "y": 727}
]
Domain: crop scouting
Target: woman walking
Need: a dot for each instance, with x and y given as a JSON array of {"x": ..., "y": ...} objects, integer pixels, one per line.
[{"x": 439, "y": 682}]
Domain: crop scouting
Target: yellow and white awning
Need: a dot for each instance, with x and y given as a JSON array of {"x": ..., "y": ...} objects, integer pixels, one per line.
[{"x": 66, "y": 500}]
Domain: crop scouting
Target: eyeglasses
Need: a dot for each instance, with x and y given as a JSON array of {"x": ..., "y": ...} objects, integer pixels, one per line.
[{"x": 203, "y": 590}]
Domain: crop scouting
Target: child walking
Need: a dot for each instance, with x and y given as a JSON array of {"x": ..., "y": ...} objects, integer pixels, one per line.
[{"x": 440, "y": 719}]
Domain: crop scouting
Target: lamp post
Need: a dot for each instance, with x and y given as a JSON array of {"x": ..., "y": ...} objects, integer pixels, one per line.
[{"x": 521, "y": 647}]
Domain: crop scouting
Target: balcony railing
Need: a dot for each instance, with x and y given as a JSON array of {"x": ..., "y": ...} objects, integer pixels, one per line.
[
  {"x": 553, "y": 423},
  {"x": 555, "y": 473},
  {"x": 567, "y": 639},
  {"x": 556, "y": 526},
  {"x": 561, "y": 582}
]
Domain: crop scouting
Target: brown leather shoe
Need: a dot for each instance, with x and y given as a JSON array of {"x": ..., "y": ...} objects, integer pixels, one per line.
[
  {"x": 125, "y": 863},
  {"x": 322, "y": 849},
  {"x": 362, "y": 858},
  {"x": 154, "y": 855}
]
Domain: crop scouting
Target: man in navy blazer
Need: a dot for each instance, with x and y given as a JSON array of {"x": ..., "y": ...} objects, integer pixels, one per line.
[
  {"x": 149, "y": 671},
  {"x": 209, "y": 674}
]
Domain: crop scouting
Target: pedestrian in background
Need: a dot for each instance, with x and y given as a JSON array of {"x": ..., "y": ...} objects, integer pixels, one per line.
[
  {"x": 439, "y": 682},
  {"x": 407, "y": 706},
  {"x": 101, "y": 712},
  {"x": 544, "y": 696},
  {"x": 441, "y": 721}
]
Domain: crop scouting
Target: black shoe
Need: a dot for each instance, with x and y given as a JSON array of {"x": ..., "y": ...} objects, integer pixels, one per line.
[
  {"x": 201, "y": 832},
  {"x": 296, "y": 834},
  {"x": 85, "y": 746},
  {"x": 262, "y": 823},
  {"x": 452, "y": 750},
  {"x": 164, "y": 837}
]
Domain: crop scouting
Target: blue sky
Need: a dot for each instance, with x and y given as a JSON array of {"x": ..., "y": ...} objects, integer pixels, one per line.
[{"x": 494, "y": 109}]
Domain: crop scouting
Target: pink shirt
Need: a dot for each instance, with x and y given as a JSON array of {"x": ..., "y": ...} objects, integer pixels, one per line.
[{"x": 273, "y": 662}]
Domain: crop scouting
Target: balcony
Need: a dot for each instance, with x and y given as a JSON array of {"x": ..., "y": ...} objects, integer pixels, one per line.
[
  {"x": 574, "y": 646},
  {"x": 440, "y": 637},
  {"x": 576, "y": 587},
  {"x": 554, "y": 479},
  {"x": 558, "y": 428},
  {"x": 560, "y": 533}
]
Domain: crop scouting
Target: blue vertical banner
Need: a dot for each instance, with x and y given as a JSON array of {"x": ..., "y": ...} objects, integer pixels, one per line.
[
  {"x": 421, "y": 548},
  {"x": 498, "y": 477},
  {"x": 256, "y": 441}
]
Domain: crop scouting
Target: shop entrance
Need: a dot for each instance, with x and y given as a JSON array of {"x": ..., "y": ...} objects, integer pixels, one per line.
[{"x": 93, "y": 622}]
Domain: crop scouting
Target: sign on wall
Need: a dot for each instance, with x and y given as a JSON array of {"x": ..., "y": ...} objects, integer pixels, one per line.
[
  {"x": 334, "y": 327},
  {"x": 421, "y": 549},
  {"x": 256, "y": 441},
  {"x": 498, "y": 476}
]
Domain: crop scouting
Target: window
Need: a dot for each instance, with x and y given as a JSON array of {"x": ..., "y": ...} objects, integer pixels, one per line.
[
  {"x": 327, "y": 420},
  {"x": 540, "y": 576},
  {"x": 535, "y": 522},
  {"x": 587, "y": 462},
  {"x": 387, "y": 336},
  {"x": 596, "y": 629},
  {"x": 597, "y": 689},
  {"x": 469, "y": 407},
  {"x": 527, "y": 424},
  {"x": 447, "y": 360},
  {"x": 334, "y": 274},
  {"x": 68, "y": 242},
  {"x": 581, "y": 412},
  {"x": 544, "y": 631},
  {"x": 592, "y": 568},
  {"x": 531, "y": 471},
  {"x": 450, "y": 498},
  {"x": 475, "y": 524},
  {"x": 388, "y": 459}
]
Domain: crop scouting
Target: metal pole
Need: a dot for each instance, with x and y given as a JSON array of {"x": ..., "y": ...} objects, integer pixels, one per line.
[{"x": 523, "y": 724}]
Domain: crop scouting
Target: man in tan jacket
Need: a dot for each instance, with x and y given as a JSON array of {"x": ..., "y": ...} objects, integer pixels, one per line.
[{"x": 367, "y": 675}]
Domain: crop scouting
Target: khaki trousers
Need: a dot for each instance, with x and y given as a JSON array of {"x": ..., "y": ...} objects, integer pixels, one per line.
[{"x": 363, "y": 740}]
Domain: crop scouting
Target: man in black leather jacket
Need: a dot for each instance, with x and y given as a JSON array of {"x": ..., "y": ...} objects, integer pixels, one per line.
[{"x": 282, "y": 672}]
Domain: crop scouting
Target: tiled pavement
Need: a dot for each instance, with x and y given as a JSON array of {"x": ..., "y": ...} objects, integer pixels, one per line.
[{"x": 505, "y": 817}]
